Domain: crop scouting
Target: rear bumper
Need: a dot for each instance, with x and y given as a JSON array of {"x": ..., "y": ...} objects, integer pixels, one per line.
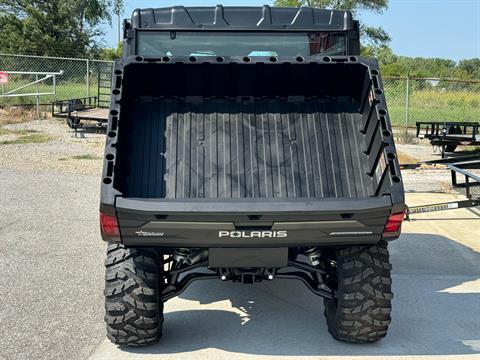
[{"x": 251, "y": 223}]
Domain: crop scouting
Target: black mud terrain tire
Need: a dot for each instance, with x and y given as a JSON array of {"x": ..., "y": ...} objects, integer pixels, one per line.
[
  {"x": 360, "y": 312},
  {"x": 453, "y": 130},
  {"x": 450, "y": 148},
  {"x": 134, "y": 309}
]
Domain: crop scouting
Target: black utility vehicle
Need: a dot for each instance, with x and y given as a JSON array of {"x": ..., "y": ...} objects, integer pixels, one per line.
[{"x": 248, "y": 144}]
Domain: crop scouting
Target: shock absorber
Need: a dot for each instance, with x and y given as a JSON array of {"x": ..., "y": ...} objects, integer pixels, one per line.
[
  {"x": 314, "y": 255},
  {"x": 181, "y": 255}
]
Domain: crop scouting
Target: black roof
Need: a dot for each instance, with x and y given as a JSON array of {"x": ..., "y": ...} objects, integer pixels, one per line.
[{"x": 242, "y": 18}]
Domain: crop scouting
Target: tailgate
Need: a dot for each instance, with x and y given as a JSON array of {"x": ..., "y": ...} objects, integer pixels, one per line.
[{"x": 251, "y": 223}]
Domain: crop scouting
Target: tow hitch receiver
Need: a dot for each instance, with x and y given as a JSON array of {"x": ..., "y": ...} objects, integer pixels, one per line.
[{"x": 247, "y": 276}]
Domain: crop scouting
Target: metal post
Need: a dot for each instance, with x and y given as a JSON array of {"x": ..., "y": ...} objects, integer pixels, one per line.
[
  {"x": 467, "y": 187},
  {"x": 407, "y": 105},
  {"x": 118, "y": 27},
  {"x": 454, "y": 178},
  {"x": 444, "y": 133},
  {"x": 88, "y": 78},
  {"x": 55, "y": 87},
  {"x": 38, "y": 97}
]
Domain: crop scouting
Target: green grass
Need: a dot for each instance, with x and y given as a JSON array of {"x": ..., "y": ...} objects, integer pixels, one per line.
[
  {"x": 397, "y": 115},
  {"x": 64, "y": 92},
  {"x": 4, "y": 131},
  {"x": 27, "y": 139},
  {"x": 85, "y": 157},
  {"x": 433, "y": 105},
  {"x": 25, "y": 131}
]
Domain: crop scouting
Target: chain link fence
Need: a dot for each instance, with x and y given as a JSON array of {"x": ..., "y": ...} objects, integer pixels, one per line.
[
  {"x": 79, "y": 78},
  {"x": 409, "y": 99}
]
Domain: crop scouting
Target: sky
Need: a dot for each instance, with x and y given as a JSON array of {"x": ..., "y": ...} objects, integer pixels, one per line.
[{"x": 447, "y": 29}]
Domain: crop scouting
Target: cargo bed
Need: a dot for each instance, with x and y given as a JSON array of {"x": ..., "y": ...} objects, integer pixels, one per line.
[
  {"x": 306, "y": 142},
  {"x": 234, "y": 149}
]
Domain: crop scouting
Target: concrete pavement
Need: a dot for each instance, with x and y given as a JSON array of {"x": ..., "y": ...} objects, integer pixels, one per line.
[
  {"x": 51, "y": 266},
  {"x": 51, "y": 304}
]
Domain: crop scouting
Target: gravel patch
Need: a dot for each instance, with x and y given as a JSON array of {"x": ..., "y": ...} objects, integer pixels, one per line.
[
  {"x": 429, "y": 179},
  {"x": 63, "y": 153},
  {"x": 422, "y": 152},
  {"x": 424, "y": 180}
]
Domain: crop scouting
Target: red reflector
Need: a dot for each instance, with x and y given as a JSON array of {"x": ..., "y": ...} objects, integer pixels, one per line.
[
  {"x": 394, "y": 224},
  {"x": 109, "y": 225}
]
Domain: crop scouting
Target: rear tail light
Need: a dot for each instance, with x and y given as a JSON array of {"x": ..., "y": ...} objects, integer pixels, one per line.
[
  {"x": 394, "y": 224},
  {"x": 109, "y": 225}
]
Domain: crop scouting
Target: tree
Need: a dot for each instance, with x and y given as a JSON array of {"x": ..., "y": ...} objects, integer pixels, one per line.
[
  {"x": 374, "y": 35},
  {"x": 111, "y": 53},
  {"x": 470, "y": 67},
  {"x": 54, "y": 27},
  {"x": 395, "y": 65}
]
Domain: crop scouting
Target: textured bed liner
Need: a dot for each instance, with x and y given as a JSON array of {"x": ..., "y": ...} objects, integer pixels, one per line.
[{"x": 231, "y": 148}]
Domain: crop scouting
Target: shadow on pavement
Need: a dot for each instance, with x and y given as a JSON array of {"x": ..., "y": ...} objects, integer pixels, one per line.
[{"x": 284, "y": 318}]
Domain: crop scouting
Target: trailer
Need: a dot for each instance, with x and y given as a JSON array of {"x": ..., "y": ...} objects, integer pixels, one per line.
[
  {"x": 460, "y": 167},
  {"x": 90, "y": 108},
  {"x": 74, "y": 111},
  {"x": 448, "y": 135},
  {"x": 471, "y": 183}
]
